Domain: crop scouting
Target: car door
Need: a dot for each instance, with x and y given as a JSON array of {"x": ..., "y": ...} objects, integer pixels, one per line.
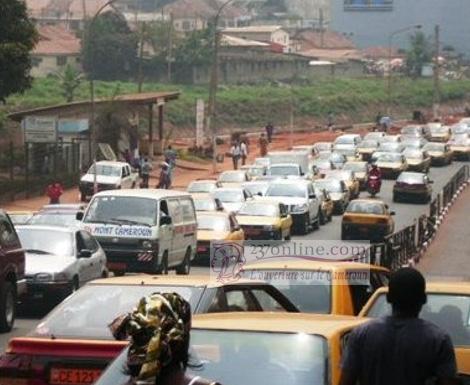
[
  {"x": 312, "y": 201},
  {"x": 171, "y": 235},
  {"x": 84, "y": 266},
  {"x": 125, "y": 177},
  {"x": 11, "y": 254},
  {"x": 97, "y": 259}
]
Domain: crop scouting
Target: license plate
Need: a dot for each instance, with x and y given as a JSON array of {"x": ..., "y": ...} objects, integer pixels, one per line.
[
  {"x": 67, "y": 376},
  {"x": 116, "y": 266}
]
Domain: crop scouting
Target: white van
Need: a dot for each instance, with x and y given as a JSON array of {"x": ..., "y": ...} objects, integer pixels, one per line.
[{"x": 144, "y": 231}]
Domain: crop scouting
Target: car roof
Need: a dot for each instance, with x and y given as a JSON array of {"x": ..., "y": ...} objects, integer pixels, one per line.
[
  {"x": 369, "y": 201},
  {"x": 57, "y": 229},
  {"x": 144, "y": 193},
  {"x": 305, "y": 264},
  {"x": 291, "y": 181},
  {"x": 441, "y": 287},
  {"x": 267, "y": 200},
  {"x": 112, "y": 163},
  {"x": 202, "y": 196},
  {"x": 196, "y": 280},
  {"x": 224, "y": 214},
  {"x": 412, "y": 173},
  {"x": 349, "y": 136},
  {"x": 324, "y": 325}
]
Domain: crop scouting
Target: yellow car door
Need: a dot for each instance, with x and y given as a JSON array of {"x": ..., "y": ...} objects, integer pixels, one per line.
[{"x": 236, "y": 232}]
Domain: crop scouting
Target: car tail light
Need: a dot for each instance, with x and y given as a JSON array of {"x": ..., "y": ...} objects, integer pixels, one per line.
[
  {"x": 18, "y": 369},
  {"x": 347, "y": 219}
]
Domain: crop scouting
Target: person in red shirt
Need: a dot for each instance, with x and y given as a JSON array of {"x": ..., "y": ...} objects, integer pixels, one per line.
[{"x": 54, "y": 192}]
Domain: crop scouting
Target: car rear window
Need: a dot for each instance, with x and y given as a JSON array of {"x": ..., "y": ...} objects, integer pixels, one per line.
[
  {"x": 411, "y": 178},
  {"x": 366, "y": 208}
]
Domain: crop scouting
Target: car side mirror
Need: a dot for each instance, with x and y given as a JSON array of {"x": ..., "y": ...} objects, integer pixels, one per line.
[
  {"x": 430, "y": 181},
  {"x": 166, "y": 220},
  {"x": 79, "y": 216},
  {"x": 237, "y": 228},
  {"x": 85, "y": 253},
  {"x": 312, "y": 196},
  {"x": 392, "y": 213},
  {"x": 259, "y": 193}
]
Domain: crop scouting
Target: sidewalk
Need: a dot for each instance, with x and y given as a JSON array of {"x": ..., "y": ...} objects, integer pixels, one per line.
[{"x": 448, "y": 256}]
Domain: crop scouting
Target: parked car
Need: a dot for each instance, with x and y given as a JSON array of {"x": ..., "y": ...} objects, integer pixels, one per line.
[
  {"x": 216, "y": 226},
  {"x": 203, "y": 186},
  {"x": 412, "y": 132},
  {"x": 414, "y": 185},
  {"x": 254, "y": 348},
  {"x": 285, "y": 170},
  {"x": 440, "y": 153},
  {"x": 109, "y": 176},
  {"x": 390, "y": 139},
  {"x": 83, "y": 344},
  {"x": 367, "y": 219},
  {"x": 64, "y": 215},
  {"x": 346, "y": 141},
  {"x": 265, "y": 219},
  {"x": 12, "y": 272},
  {"x": 460, "y": 128},
  {"x": 323, "y": 146},
  {"x": 415, "y": 143},
  {"x": 59, "y": 261},
  {"x": 377, "y": 136},
  {"x": 299, "y": 196},
  {"x": 391, "y": 147},
  {"x": 417, "y": 160}
]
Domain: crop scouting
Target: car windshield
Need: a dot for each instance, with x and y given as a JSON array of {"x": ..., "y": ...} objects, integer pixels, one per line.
[
  {"x": 368, "y": 144},
  {"x": 337, "y": 158},
  {"x": 357, "y": 167},
  {"x": 262, "y": 209},
  {"x": 330, "y": 185},
  {"x": 323, "y": 146},
  {"x": 122, "y": 210},
  {"x": 411, "y": 178},
  {"x": 201, "y": 187},
  {"x": 434, "y": 147},
  {"x": 412, "y": 143},
  {"x": 460, "y": 129},
  {"x": 256, "y": 188},
  {"x": 344, "y": 140},
  {"x": 287, "y": 190},
  {"x": 256, "y": 171},
  {"x": 54, "y": 219},
  {"x": 238, "y": 357},
  {"x": 439, "y": 130},
  {"x": 105, "y": 170},
  {"x": 389, "y": 158},
  {"x": 449, "y": 311},
  {"x": 229, "y": 196},
  {"x": 389, "y": 147},
  {"x": 365, "y": 208},
  {"x": 346, "y": 151},
  {"x": 88, "y": 312},
  {"x": 283, "y": 170},
  {"x": 204, "y": 204},
  {"x": 410, "y": 130},
  {"x": 413, "y": 154},
  {"x": 41, "y": 241},
  {"x": 20, "y": 219},
  {"x": 213, "y": 223},
  {"x": 460, "y": 139},
  {"x": 232, "y": 177}
]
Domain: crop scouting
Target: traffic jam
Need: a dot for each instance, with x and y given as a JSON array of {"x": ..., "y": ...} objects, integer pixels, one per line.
[{"x": 105, "y": 257}]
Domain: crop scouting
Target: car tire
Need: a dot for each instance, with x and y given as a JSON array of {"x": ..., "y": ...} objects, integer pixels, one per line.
[
  {"x": 288, "y": 236},
  {"x": 7, "y": 307},
  {"x": 75, "y": 284},
  {"x": 344, "y": 236},
  {"x": 185, "y": 267},
  {"x": 316, "y": 222},
  {"x": 323, "y": 220},
  {"x": 396, "y": 198},
  {"x": 306, "y": 224}
]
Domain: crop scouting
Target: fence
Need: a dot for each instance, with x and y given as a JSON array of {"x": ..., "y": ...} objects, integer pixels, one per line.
[
  {"x": 406, "y": 245},
  {"x": 28, "y": 169}
]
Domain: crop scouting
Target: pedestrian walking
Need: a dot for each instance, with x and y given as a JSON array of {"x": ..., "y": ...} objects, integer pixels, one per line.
[
  {"x": 269, "y": 132},
  {"x": 145, "y": 169},
  {"x": 158, "y": 332},
  {"x": 243, "y": 152},
  {"x": 235, "y": 152},
  {"x": 400, "y": 349},
  {"x": 54, "y": 191},
  {"x": 170, "y": 158},
  {"x": 164, "y": 181},
  {"x": 263, "y": 146},
  {"x": 127, "y": 156},
  {"x": 330, "y": 121}
]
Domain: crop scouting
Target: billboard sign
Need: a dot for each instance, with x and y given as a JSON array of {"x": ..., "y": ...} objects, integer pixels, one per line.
[{"x": 40, "y": 129}]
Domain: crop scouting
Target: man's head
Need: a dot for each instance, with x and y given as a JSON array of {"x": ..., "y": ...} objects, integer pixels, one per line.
[
  {"x": 374, "y": 166},
  {"x": 407, "y": 292}
]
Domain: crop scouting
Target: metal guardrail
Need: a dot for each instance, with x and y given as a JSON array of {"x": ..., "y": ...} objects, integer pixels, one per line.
[{"x": 399, "y": 248}]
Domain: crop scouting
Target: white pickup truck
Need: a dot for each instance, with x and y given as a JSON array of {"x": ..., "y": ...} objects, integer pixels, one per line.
[{"x": 109, "y": 176}]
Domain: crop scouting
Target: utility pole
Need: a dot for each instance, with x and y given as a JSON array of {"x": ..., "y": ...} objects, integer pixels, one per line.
[
  {"x": 170, "y": 47},
  {"x": 322, "y": 29},
  {"x": 141, "y": 58},
  {"x": 436, "y": 67}
]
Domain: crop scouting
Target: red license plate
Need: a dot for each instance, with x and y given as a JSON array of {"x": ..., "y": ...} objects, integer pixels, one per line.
[
  {"x": 116, "y": 266},
  {"x": 68, "y": 376}
]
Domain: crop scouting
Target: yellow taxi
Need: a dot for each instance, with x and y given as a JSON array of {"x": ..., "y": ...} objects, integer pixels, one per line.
[
  {"x": 440, "y": 153},
  {"x": 391, "y": 164},
  {"x": 448, "y": 306},
  {"x": 265, "y": 218},
  {"x": 20, "y": 217},
  {"x": 216, "y": 226},
  {"x": 417, "y": 160},
  {"x": 348, "y": 177},
  {"x": 366, "y": 148},
  {"x": 322, "y": 287},
  {"x": 361, "y": 171},
  {"x": 367, "y": 219},
  {"x": 439, "y": 133},
  {"x": 261, "y": 348},
  {"x": 460, "y": 146},
  {"x": 327, "y": 205}
]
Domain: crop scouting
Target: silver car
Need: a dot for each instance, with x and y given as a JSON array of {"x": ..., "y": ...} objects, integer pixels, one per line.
[{"x": 59, "y": 260}]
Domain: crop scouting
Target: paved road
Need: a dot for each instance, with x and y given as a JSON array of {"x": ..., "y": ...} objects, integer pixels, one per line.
[{"x": 405, "y": 215}]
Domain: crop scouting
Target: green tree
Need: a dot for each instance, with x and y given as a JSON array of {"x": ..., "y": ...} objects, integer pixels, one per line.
[
  {"x": 17, "y": 38},
  {"x": 418, "y": 55},
  {"x": 70, "y": 80},
  {"x": 109, "y": 49}
]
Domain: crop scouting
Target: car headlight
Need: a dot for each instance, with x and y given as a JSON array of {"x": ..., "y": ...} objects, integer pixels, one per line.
[
  {"x": 300, "y": 208},
  {"x": 43, "y": 277},
  {"x": 58, "y": 277},
  {"x": 147, "y": 244}
]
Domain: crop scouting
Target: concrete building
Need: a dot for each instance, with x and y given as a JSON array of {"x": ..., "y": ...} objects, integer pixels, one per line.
[
  {"x": 370, "y": 22},
  {"x": 265, "y": 33},
  {"x": 55, "y": 49}
]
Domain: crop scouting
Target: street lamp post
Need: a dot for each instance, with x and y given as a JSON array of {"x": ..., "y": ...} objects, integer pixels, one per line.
[
  {"x": 389, "y": 78},
  {"x": 92, "y": 138},
  {"x": 213, "y": 86}
]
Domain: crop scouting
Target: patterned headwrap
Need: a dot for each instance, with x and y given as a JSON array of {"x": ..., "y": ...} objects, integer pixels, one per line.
[{"x": 158, "y": 328}]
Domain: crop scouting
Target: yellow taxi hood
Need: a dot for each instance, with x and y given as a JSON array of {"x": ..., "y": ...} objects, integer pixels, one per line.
[
  {"x": 256, "y": 220},
  {"x": 209, "y": 235}
]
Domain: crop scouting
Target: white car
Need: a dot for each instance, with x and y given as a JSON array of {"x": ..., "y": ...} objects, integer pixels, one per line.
[
  {"x": 232, "y": 198},
  {"x": 109, "y": 176},
  {"x": 347, "y": 141},
  {"x": 59, "y": 260},
  {"x": 299, "y": 196}
]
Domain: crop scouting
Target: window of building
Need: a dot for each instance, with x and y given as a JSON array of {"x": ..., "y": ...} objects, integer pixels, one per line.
[
  {"x": 36, "y": 61},
  {"x": 61, "y": 60},
  {"x": 368, "y": 5},
  {"x": 186, "y": 25}
]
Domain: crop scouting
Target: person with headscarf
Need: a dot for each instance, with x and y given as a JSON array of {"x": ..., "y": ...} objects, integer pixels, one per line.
[{"x": 159, "y": 331}]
